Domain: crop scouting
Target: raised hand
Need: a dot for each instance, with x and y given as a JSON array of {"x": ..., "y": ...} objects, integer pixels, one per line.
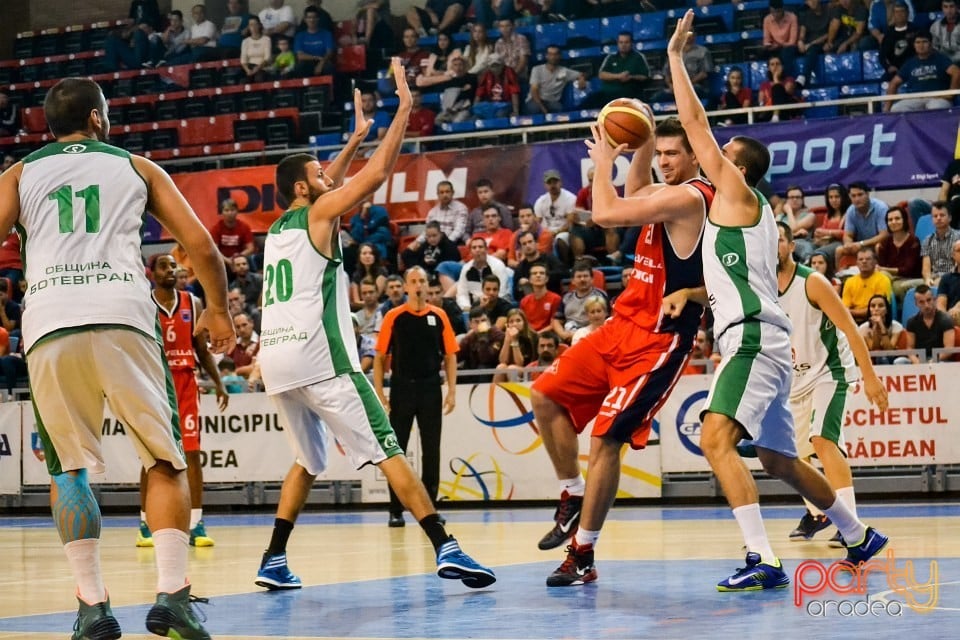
[
  {"x": 361, "y": 125},
  {"x": 400, "y": 77},
  {"x": 679, "y": 39},
  {"x": 599, "y": 148}
]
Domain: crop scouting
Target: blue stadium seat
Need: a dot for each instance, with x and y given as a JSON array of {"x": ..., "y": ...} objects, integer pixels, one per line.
[
  {"x": 718, "y": 38},
  {"x": 820, "y": 94},
  {"x": 527, "y": 121},
  {"x": 872, "y": 67},
  {"x": 722, "y": 11},
  {"x": 649, "y": 26},
  {"x": 584, "y": 52},
  {"x": 611, "y": 27},
  {"x": 924, "y": 227},
  {"x": 863, "y": 89},
  {"x": 757, "y": 74},
  {"x": 492, "y": 123},
  {"x": 842, "y": 68},
  {"x": 910, "y": 305},
  {"x": 583, "y": 33},
  {"x": 325, "y": 139},
  {"x": 550, "y": 34}
]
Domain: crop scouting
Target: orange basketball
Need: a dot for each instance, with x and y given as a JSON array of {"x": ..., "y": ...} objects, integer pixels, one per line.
[{"x": 627, "y": 121}]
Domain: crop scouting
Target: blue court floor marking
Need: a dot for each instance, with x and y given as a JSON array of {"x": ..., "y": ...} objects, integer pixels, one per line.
[
  {"x": 644, "y": 599},
  {"x": 866, "y": 510}
]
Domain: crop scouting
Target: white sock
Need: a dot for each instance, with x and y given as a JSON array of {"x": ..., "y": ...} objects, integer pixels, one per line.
[
  {"x": 754, "y": 534},
  {"x": 170, "y": 548},
  {"x": 143, "y": 516},
  {"x": 84, "y": 558},
  {"x": 812, "y": 508},
  {"x": 849, "y": 499},
  {"x": 584, "y": 536},
  {"x": 573, "y": 486},
  {"x": 196, "y": 515},
  {"x": 850, "y": 526}
]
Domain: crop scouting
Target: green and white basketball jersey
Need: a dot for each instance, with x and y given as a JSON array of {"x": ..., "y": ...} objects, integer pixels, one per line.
[
  {"x": 740, "y": 271},
  {"x": 819, "y": 349},
  {"x": 81, "y": 217},
  {"x": 306, "y": 329}
]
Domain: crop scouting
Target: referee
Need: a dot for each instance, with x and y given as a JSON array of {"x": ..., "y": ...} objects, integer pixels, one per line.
[{"x": 419, "y": 339}]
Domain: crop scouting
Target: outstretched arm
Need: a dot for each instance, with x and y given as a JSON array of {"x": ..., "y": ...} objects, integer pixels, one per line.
[
  {"x": 338, "y": 168},
  {"x": 732, "y": 189}
]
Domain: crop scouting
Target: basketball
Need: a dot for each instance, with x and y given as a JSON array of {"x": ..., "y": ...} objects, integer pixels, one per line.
[{"x": 626, "y": 121}]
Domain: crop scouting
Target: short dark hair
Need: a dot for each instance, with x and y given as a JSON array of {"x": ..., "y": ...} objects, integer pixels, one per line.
[
  {"x": 484, "y": 182},
  {"x": 754, "y": 157},
  {"x": 291, "y": 170},
  {"x": 787, "y": 231},
  {"x": 477, "y": 312},
  {"x": 395, "y": 278},
  {"x": 794, "y": 187},
  {"x": 671, "y": 128},
  {"x": 68, "y": 104},
  {"x": 859, "y": 184},
  {"x": 370, "y": 282},
  {"x": 625, "y": 33},
  {"x": 444, "y": 182},
  {"x": 433, "y": 224},
  {"x": 582, "y": 265},
  {"x": 549, "y": 334},
  {"x": 524, "y": 234},
  {"x": 922, "y": 289},
  {"x": 490, "y": 278},
  {"x": 179, "y": 14},
  {"x": 311, "y": 9}
]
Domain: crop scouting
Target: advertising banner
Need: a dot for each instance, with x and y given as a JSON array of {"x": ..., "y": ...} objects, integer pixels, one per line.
[{"x": 10, "y": 447}]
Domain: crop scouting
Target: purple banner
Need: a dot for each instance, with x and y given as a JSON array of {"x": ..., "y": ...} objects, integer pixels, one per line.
[{"x": 888, "y": 151}]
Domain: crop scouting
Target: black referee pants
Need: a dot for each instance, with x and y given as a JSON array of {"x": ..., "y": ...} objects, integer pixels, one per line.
[{"x": 422, "y": 401}]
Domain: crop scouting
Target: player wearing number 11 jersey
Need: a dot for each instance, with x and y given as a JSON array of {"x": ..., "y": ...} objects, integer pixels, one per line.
[{"x": 308, "y": 356}]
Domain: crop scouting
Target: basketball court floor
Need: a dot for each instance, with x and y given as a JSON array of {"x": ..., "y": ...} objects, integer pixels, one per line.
[{"x": 657, "y": 567}]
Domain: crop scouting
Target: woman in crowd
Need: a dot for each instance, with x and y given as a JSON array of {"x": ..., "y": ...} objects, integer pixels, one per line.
[
  {"x": 898, "y": 255},
  {"x": 437, "y": 62},
  {"x": 368, "y": 266},
  {"x": 519, "y": 346},
  {"x": 822, "y": 263},
  {"x": 735, "y": 96},
  {"x": 881, "y": 332},
  {"x": 478, "y": 50},
  {"x": 829, "y": 235},
  {"x": 778, "y": 89},
  {"x": 596, "y": 308}
]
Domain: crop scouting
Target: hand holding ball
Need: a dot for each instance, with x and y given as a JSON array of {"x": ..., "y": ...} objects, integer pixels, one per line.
[{"x": 626, "y": 121}]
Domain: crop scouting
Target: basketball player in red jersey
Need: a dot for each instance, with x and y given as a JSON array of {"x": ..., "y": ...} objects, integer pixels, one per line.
[
  {"x": 623, "y": 372},
  {"x": 177, "y": 310}
]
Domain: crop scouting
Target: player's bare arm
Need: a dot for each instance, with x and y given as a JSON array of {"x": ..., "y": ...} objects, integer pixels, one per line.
[
  {"x": 822, "y": 295},
  {"x": 735, "y": 203},
  {"x": 337, "y": 170}
]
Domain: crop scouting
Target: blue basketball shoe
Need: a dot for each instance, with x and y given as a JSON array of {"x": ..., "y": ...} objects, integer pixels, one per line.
[
  {"x": 873, "y": 543},
  {"x": 274, "y": 573},
  {"x": 756, "y": 576},
  {"x": 454, "y": 564}
]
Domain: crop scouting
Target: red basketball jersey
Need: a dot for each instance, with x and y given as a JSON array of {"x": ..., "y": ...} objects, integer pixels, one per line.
[
  {"x": 658, "y": 271},
  {"x": 177, "y": 327}
]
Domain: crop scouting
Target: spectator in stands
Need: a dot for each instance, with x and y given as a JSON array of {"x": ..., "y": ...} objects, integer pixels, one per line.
[
  {"x": 531, "y": 252},
  {"x": 449, "y": 214},
  {"x": 285, "y": 62},
  {"x": 801, "y": 220},
  {"x": 129, "y": 47},
  {"x": 313, "y": 46},
  {"x": 234, "y": 30},
  {"x": 8, "y": 159},
  {"x": 781, "y": 32},
  {"x": 440, "y": 56},
  {"x": 898, "y": 254},
  {"x": 931, "y": 328},
  {"x": 735, "y": 96},
  {"x": 778, "y": 89},
  {"x": 949, "y": 192},
  {"x": 479, "y": 50},
  {"x": 624, "y": 74},
  {"x": 514, "y": 48},
  {"x": 366, "y": 347},
  {"x": 449, "y": 305},
  {"x": 422, "y": 119},
  {"x": 828, "y": 236},
  {"x": 492, "y": 304},
  {"x": 848, "y": 24},
  {"x": 498, "y": 91},
  {"x": 944, "y": 33},
  {"x": 249, "y": 282},
  {"x": 202, "y": 41},
  {"x": 880, "y": 18},
  {"x": 881, "y": 332},
  {"x": 171, "y": 46},
  {"x": 498, "y": 238},
  {"x": 13, "y": 365},
  {"x": 371, "y": 225},
  {"x": 255, "y": 52},
  {"x": 948, "y": 291},
  {"x": 395, "y": 293},
  {"x": 237, "y": 303},
  {"x": 552, "y": 208},
  {"x": 486, "y": 196},
  {"x": 373, "y": 28},
  {"x": 937, "y": 250},
  {"x": 381, "y": 119},
  {"x": 469, "y": 285},
  {"x": 586, "y": 237},
  {"x": 232, "y": 235},
  {"x": 368, "y": 316},
  {"x": 414, "y": 58},
  {"x": 572, "y": 313},
  {"x": 278, "y": 20},
  {"x": 519, "y": 344},
  {"x": 11, "y": 263},
  {"x": 596, "y": 308},
  {"x": 9, "y": 118},
  {"x": 928, "y": 70},
  {"x": 437, "y": 16},
  {"x": 814, "y": 30},
  {"x": 699, "y": 65},
  {"x": 458, "y": 89},
  {"x": 527, "y": 221},
  {"x": 435, "y": 249},
  {"x": 547, "y": 83},
  {"x": 247, "y": 347},
  {"x": 480, "y": 348},
  {"x": 868, "y": 282},
  {"x": 864, "y": 224},
  {"x": 896, "y": 46},
  {"x": 822, "y": 262},
  {"x": 548, "y": 348},
  {"x": 326, "y": 20},
  {"x": 541, "y": 304},
  {"x": 10, "y": 309}
]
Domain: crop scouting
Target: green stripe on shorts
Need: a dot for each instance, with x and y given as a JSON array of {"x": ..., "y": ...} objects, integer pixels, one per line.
[
  {"x": 833, "y": 414},
  {"x": 376, "y": 415},
  {"x": 732, "y": 381}
]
